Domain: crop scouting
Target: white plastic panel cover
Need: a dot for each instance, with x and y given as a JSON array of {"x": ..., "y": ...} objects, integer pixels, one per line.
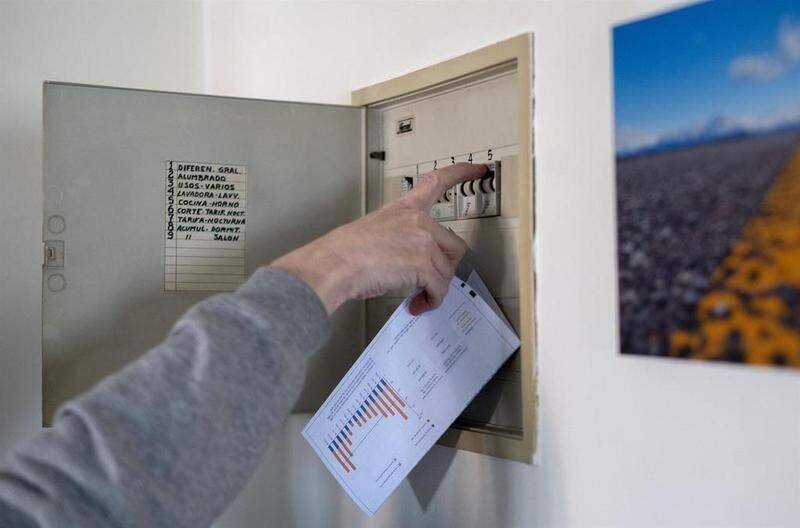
[{"x": 106, "y": 160}]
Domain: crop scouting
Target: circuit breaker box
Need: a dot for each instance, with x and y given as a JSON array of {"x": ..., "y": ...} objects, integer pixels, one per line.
[{"x": 155, "y": 200}]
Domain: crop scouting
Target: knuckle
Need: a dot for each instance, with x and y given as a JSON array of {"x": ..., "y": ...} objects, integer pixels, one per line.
[
  {"x": 419, "y": 218},
  {"x": 426, "y": 239},
  {"x": 392, "y": 206},
  {"x": 421, "y": 262},
  {"x": 434, "y": 279},
  {"x": 462, "y": 245},
  {"x": 435, "y": 178},
  {"x": 407, "y": 217},
  {"x": 426, "y": 244}
]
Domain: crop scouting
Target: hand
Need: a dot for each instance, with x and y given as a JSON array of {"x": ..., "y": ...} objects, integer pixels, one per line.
[{"x": 397, "y": 246}]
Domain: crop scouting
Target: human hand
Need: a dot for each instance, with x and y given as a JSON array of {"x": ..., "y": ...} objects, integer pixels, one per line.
[{"x": 397, "y": 246}]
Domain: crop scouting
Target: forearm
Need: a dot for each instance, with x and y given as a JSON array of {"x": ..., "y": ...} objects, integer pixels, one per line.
[{"x": 171, "y": 439}]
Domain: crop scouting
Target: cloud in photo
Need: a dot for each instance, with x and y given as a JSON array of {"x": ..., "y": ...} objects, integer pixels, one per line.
[
  {"x": 789, "y": 40},
  {"x": 761, "y": 67}
]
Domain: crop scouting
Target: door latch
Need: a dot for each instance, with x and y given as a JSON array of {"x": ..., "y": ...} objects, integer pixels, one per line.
[{"x": 53, "y": 253}]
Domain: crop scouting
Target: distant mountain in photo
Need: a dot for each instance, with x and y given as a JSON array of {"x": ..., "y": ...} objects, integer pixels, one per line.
[{"x": 718, "y": 128}]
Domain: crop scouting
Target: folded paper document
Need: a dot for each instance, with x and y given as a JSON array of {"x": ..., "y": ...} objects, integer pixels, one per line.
[{"x": 408, "y": 386}]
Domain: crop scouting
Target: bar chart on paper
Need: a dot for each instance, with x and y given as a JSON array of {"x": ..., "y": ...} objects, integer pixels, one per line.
[{"x": 370, "y": 413}]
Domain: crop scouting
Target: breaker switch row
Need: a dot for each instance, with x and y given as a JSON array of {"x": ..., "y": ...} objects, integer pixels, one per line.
[{"x": 473, "y": 199}]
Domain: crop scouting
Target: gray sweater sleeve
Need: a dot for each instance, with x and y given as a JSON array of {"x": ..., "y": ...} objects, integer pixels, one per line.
[{"x": 171, "y": 439}]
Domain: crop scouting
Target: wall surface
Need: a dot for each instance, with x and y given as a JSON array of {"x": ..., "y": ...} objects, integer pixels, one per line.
[
  {"x": 625, "y": 441},
  {"x": 144, "y": 45}
]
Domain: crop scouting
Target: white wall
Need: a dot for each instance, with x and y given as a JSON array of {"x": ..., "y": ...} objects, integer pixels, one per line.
[
  {"x": 626, "y": 441},
  {"x": 144, "y": 45}
]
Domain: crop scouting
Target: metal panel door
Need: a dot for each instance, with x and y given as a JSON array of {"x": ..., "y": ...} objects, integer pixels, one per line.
[{"x": 108, "y": 289}]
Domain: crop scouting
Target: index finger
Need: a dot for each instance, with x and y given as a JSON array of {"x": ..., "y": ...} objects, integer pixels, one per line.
[{"x": 435, "y": 183}]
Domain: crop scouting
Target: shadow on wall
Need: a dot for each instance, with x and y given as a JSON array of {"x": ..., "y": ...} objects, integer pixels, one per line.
[{"x": 427, "y": 477}]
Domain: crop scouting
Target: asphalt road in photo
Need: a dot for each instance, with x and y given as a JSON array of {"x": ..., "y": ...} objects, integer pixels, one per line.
[{"x": 678, "y": 213}]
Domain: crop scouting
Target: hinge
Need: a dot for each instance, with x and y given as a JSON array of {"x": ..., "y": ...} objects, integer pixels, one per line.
[
  {"x": 53, "y": 254},
  {"x": 378, "y": 155}
]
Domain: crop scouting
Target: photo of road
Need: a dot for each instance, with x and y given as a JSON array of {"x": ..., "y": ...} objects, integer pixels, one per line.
[
  {"x": 682, "y": 217},
  {"x": 707, "y": 140}
]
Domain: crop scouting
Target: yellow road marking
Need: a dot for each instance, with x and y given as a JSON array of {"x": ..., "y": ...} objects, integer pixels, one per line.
[{"x": 747, "y": 312}]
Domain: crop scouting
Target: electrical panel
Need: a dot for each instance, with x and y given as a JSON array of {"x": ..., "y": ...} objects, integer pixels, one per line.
[
  {"x": 192, "y": 193},
  {"x": 477, "y": 111}
]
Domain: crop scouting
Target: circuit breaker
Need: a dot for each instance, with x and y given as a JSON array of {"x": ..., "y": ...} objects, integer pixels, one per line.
[
  {"x": 190, "y": 194},
  {"x": 472, "y": 199}
]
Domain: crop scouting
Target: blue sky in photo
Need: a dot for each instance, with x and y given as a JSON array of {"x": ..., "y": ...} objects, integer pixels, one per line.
[{"x": 707, "y": 69}]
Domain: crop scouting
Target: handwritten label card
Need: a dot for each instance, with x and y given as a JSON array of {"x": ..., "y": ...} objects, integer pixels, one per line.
[{"x": 205, "y": 226}]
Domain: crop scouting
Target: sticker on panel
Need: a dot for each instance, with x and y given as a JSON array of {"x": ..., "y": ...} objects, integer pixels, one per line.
[{"x": 204, "y": 226}]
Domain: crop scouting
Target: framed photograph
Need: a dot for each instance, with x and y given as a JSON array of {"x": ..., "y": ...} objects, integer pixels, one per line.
[{"x": 707, "y": 129}]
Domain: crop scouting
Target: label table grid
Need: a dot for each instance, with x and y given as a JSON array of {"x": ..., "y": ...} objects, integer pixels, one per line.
[{"x": 205, "y": 220}]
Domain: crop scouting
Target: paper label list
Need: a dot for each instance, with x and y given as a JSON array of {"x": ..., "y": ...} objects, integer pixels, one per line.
[{"x": 204, "y": 226}]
